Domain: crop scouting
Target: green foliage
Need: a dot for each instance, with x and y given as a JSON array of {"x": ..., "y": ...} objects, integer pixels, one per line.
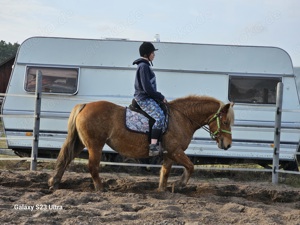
[
  {"x": 2, "y": 142},
  {"x": 7, "y": 50}
]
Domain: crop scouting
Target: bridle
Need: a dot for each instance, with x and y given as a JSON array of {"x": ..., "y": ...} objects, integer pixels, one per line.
[{"x": 214, "y": 135}]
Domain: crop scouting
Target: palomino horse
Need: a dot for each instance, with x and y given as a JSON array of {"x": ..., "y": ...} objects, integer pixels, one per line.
[{"x": 98, "y": 123}]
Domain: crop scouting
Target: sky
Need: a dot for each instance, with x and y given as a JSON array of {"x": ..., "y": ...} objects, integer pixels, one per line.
[{"x": 233, "y": 22}]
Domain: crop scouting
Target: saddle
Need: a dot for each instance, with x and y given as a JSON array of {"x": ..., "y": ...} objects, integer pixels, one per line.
[
  {"x": 139, "y": 121},
  {"x": 136, "y": 108}
]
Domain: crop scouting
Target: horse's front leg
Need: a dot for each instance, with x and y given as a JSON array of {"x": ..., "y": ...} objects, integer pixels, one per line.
[
  {"x": 181, "y": 158},
  {"x": 164, "y": 173}
]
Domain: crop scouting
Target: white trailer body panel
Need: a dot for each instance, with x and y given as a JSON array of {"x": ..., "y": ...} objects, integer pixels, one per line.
[{"x": 105, "y": 72}]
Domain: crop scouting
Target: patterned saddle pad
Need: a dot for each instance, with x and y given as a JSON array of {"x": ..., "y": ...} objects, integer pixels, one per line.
[{"x": 136, "y": 121}]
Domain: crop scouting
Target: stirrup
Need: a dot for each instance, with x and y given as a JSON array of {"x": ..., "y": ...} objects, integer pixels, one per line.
[{"x": 153, "y": 150}]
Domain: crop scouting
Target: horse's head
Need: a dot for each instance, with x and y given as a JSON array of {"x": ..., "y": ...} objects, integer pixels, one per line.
[{"x": 220, "y": 126}]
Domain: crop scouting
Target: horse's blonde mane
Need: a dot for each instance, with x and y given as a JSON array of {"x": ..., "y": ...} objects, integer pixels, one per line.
[
  {"x": 230, "y": 115},
  {"x": 195, "y": 99},
  {"x": 192, "y": 98},
  {"x": 200, "y": 100}
]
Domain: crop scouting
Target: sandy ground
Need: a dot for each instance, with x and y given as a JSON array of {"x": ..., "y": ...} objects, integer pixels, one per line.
[{"x": 133, "y": 199}]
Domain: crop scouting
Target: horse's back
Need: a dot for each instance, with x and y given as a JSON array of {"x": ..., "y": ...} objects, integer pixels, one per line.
[
  {"x": 102, "y": 103},
  {"x": 100, "y": 112},
  {"x": 101, "y": 108}
]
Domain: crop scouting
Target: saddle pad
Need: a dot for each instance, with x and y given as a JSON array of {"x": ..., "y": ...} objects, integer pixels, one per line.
[{"x": 136, "y": 121}]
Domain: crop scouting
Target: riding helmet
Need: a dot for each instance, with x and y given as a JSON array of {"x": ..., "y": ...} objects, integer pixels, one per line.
[{"x": 146, "y": 49}]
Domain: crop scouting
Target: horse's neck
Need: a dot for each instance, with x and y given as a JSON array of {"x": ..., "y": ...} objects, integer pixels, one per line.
[{"x": 199, "y": 113}]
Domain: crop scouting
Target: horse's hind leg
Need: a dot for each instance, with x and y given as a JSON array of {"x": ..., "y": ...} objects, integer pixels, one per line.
[
  {"x": 94, "y": 161},
  {"x": 66, "y": 155}
]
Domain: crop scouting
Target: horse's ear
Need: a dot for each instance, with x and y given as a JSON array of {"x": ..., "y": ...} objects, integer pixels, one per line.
[{"x": 226, "y": 107}]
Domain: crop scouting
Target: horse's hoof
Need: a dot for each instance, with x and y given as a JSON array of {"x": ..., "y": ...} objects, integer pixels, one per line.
[
  {"x": 52, "y": 186},
  {"x": 100, "y": 189},
  {"x": 161, "y": 189},
  {"x": 52, "y": 189},
  {"x": 178, "y": 186}
]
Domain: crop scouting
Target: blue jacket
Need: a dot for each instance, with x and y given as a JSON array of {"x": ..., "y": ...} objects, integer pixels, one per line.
[{"x": 145, "y": 82}]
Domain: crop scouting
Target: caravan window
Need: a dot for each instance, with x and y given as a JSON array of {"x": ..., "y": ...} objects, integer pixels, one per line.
[
  {"x": 54, "y": 80},
  {"x": 255, "y": 90}
]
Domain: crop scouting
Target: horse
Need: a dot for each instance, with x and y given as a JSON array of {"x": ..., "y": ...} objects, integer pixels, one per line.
[{"x": 94, "y": 124}]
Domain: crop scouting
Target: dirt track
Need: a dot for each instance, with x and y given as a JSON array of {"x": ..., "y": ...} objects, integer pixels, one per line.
[{"x": 25, "y": 199}]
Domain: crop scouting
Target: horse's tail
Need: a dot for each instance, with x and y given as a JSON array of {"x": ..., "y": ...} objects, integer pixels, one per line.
[{"x": 72, "y": 145}]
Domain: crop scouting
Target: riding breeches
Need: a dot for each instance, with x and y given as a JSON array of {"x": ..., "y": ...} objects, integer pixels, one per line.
[{"x": 153, "y": 109}]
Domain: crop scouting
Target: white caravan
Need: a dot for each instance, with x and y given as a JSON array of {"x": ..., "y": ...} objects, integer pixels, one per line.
[{"x": 83, "y": 70}]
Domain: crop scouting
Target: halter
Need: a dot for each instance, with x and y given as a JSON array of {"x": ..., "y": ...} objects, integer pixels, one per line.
[
  {"x": 217, "y": 116},
  {"x": 216, "y": 134}
]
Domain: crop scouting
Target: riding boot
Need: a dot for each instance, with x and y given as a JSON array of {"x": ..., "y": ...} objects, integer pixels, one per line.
[{"x": 154, "y": 148}]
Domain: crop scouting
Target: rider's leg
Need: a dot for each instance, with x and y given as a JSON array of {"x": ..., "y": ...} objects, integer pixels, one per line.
[
  {"x": 153, "y": 109},
  {"x": 156, "y": 132},
  {"x": 154, "y": 147}
]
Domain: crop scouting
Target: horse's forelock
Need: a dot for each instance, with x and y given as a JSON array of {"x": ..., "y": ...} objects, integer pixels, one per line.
[{"x": 230, "y": 114}]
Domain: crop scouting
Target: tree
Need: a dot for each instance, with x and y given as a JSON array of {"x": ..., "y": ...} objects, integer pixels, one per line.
[{"x": 7, "y": 50}]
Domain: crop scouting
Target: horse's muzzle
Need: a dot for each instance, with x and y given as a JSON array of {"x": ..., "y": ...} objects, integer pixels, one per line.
[
  {"x": 222, "y": 145},
  {"x": 228, "y": 146}
]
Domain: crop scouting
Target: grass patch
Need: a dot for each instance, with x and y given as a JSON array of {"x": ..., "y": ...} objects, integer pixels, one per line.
[
  {"x": 290, "y": 179},
  {"x": 247, "y": 176},
  {"x": 13, "y": 164},
  {"x": 3, "y": 143}
]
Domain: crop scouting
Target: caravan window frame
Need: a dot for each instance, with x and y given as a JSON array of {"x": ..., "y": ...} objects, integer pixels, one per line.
[
  {"x": 53, "y": 82},
  {"x": 253, "y": 89}
]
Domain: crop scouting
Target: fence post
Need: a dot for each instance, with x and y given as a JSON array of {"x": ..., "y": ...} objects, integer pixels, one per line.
[
  {"x": 36, "y": 126},
  {"x": 277, "y": 131}
]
